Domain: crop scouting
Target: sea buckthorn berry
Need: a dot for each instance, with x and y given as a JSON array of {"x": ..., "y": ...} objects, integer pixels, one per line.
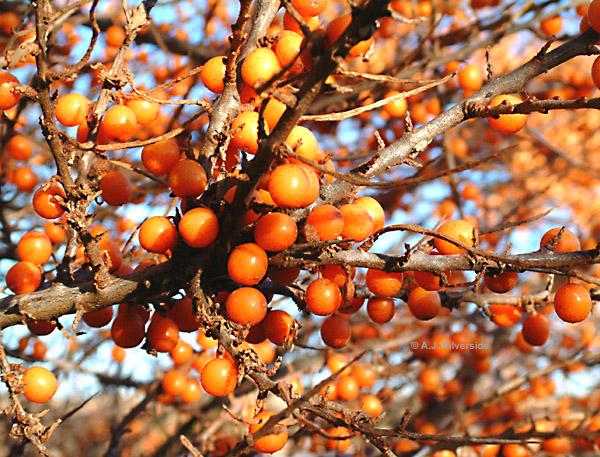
[
  {"x": 536, "y": 329},
  {"x": 23, "y": 277},
  {"x": 358, "y": 223},
  {"x": 24, "y": 179},
  {"x": 273, "y": 112},
  {"x": 187, "y": 179},
  {"x": 115, "y": 36},
  {"x": 507, "y": 124},
  {"x": 381, "y": 310},
  {"x": 279, "y": 327},
  {"x": 72, "y": 109},
  {"x": 119, "y": 122},
  {"x": 323, "y": 297},
  {"x": 593, "y": 15},
  {"x": 146, "y": 111},
  {"x": 424, "y": 304},
  {"x": 396, "y": 108},
  {"x": 374, "y": 209},
  {"x": 501, "y": 283},
  {"x": 274, "y": 440},
  {"x": 428, "y": 280},
  {"x": 293, "y": 185},
  {"x": 246, "y": 306},
  {"x": 219, "y": 377},
  {"x": 384, "y": 284},
  {"x": 458, "y": 230},
  {"x": 247, "y": 264},
  {"x": 158, "y": 234},
  {"x": 182, "y": 313},
  {"x": 19, "y": 147},
  {"x": 289, "y": 23},
  {"x": 163, "y": 333},
  {"x": 212, "y": 74},
  {"x": 173, "y": 382},
  {"x": 551, "y": 25},
  {"x": 505, "y": 315},
  {"x": 45, "y": 201},
  {"x": 39, "y": 384},
  {"x": 98, "y": 318},
  {"x": 566, "y": 242},
  {"x": 160, "y": 158},
  {"x": 309, "y": 7},
  {"x": 8, "y": 95},
  {"x": 199, "y": 227},
  {"x": 470, "y": 78},
  {"x": 40, "y": 328},
  {"x": 245, "y": 131},
  {"x": 324, "y": 221},
  {"x": 337, "y": 27},
  {"x": 288, "y": 48},
  {"x": 259, "y": 67},
  {"x": 34, "y": 247},
  {"x": 572, "y": 303},
  {"x": 336, "y": 331},
  {"x": 192, "y": 391},
  {"x": 128, "y": 328},
  {"x": 116, "y": 188},
  {"x": 303, "y": 142},
  {"x": 275, "y": 232}
]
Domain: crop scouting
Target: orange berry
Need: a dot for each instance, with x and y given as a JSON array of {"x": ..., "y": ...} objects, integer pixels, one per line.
[
  {"x": 288, "y": 49},
  {"x": 507, "y": 124},
  {"x": 572, "y": 303},
  {"x": 45, "y": 202},
  {"x": 279, "y": 327},
  {"x": 8, "y": 96},
  {"x": 293, "y": 185},
  {"x": 19, "y": 147},
  {"x": 396, "y": 108},
  {"x": 273, "y": 112},
  {"x": 303, "y": 142},
  {"x": 127, "y": 330},
  {"x": 501, "y": 283},
  {"x": 381, "y": 310},
  {"x": 219, "y": 377},
  {"x": 247, "y": 264},
  {"x": 593, "y": 15},
  {"x": 161, "y": 157},
  {"x": 374, "y": 209},
  {"x": 162, "y": 333},
  {"x": 173, "y": 382},
  {"x": 274, "y": 440},
  {"x": 323, "y": 297},
  {"x": 259, "y": 67},
  {"x": 326, "y": 221},
  {"x": 182, "y": 313},
  {"x": 335, "y": 331},
  {"x": 551, "y": 25},
  {"x": 458, "y": 230},
  {"x": 505, "y": 315},
  {"x": 146, "y": 111},
  {"x": 199, "y": 227},
  {"x": 358, "y": 223},
  {"x": 384, "y": 284},
  {"x": 115, "y": 36},
  {"x": 212, "y": 74},
  {"x": 347, "y": 388},
  {"x": 72, "y": 109},
  {"x": 116, "y": 188},
  {"x": 309, "y": 7},
  {"x": 536, "y": 329},
  {"x": 338, "y": 26},
  {"x": 98, "y": 318},
  {"x": 25, "y": 179},
  {"x": 158, "y": 234},
  {"x": 23, "y": 277},
  {"x": 470, "y": 78},
  {"x": 245, "y": 131},
  {"x": 187, "y": 179},
  {"x": 34, "y": 247},
  {"x": 424, "y": 304},
  {"x": 275, "y": 232},
  {"x": 39, "y": 384},
  {"x": 119, "y": 122},
  {"x": 246, "y": 306},
  {"x": 567, "y": 242},
  {"x": 192, "y": 391}
]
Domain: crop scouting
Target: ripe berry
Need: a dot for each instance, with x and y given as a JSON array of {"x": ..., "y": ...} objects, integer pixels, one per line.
[
  {"x": 572, "y": 303},
  {"x": 323, "y": 297},
  {"x": 199, "y": 227},
  {"x": 39, "y": 384},
  {"x": 246, "y": 306}
]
